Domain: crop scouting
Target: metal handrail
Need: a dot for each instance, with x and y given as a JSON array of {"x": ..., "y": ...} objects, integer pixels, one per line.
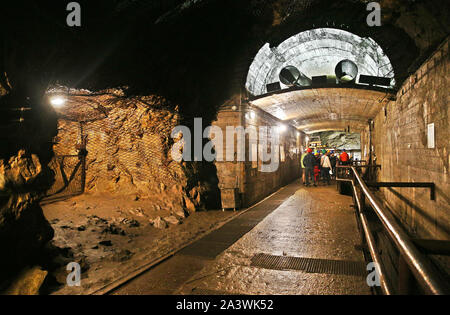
[
  {"x": 384, "y": 282},
  {"x": 420, "y": 266}
]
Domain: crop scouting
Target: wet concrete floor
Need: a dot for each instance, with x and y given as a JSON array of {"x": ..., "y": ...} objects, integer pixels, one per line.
[{"x": 298, "y": 241}]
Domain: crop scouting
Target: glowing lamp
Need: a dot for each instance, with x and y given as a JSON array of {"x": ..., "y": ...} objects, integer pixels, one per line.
[
  {"x": 282, "y": 128},
  {"x": 57, "y": 101}
]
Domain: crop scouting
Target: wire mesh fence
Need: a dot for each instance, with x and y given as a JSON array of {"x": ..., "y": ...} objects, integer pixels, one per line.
[
  {"x": 69, "y": 171},
  {"x": 114, "y": 144},
  {"x": 126, "y": 149}
]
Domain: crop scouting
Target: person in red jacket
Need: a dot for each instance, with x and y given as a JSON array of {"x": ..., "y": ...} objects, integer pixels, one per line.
[{"x": 344, "y": 158}]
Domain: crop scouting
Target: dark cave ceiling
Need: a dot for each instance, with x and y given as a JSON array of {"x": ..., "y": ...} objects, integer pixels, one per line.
[{"x": 152, "y": 46}]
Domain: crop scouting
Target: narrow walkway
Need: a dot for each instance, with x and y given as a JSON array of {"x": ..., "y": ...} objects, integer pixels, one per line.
[{"x": 299, "y": 241}]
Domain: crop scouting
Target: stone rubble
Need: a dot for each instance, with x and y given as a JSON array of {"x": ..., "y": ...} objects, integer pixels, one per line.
[
  {"x": 172, "y": 220},
  {"x": 159, "y": 223}
]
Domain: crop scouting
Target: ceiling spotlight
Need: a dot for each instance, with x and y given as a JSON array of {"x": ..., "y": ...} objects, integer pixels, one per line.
[
  {"x": 334, "y": 116},
  {"x": 57, "y": 101},
  {"x": 282, "y": 128},
  {"x": 250, "y": 115}
]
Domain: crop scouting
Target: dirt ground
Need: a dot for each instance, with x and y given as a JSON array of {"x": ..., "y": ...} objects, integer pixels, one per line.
[{"x": 111, "y": 236}]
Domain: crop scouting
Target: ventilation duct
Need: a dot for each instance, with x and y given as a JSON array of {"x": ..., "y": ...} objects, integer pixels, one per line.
[
  {"x": 291, "y": 76},
  {"x": 346, "y": 71}
]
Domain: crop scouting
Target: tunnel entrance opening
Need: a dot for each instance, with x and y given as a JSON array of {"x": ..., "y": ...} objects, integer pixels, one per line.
[
  {"x": 317, "y": 53},
  {"x": 331, "y": 61}
]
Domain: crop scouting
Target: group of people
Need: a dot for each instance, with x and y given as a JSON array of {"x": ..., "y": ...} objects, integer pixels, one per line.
[{"x": 321, "y": 165}]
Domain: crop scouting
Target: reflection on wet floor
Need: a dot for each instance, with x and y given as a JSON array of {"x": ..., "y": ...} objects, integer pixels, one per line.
[{"x": 313, "y": 226}]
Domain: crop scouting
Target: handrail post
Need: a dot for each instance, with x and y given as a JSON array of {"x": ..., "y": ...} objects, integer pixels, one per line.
[
  {"x": 405, "y": 277},
  {"x": 362, "y": 199}
]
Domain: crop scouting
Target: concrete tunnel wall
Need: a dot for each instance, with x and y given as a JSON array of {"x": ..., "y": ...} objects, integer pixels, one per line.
[
  {"x": 401, "y": 148},
  {"x": 246, "y": 178}
]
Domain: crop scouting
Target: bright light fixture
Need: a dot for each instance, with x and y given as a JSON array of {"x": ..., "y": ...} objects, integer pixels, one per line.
[
  {"x": 282, "y": 128},
  {"x": 57, "y": 101},
  {"x": 250, "y": 115}
]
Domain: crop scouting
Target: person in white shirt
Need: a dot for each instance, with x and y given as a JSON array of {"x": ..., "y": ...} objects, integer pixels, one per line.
[{"x": 325, "y": 164}]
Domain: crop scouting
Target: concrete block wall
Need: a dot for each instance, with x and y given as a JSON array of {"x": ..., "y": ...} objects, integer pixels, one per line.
[
  {"x": 259, "y": 185},
  {"x": 228, "y": 173},
  {"x": 401, "y": 147},
  {"x": 252, "y": 184}
]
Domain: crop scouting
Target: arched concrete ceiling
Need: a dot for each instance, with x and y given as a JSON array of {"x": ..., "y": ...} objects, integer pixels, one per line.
[
  {"x": 317, "y": 52},
  {"x": 319, "y": 109}
]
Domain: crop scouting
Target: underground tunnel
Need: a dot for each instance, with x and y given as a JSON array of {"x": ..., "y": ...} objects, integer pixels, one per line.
[{"x": 224, "y": 148}]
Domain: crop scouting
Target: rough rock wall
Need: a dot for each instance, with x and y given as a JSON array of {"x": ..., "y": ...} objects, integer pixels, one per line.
[
  {"x": 23, "y": 228},
  {"x": 24, "y": 176},
  {"x": 129, "y": 151},
  {"x": 341, "y": 140},
  {"x": 419, "y": 19},
  {"x": 401, "y": 147}
]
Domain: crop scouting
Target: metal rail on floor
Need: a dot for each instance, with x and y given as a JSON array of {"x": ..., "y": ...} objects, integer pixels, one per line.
[
  {"x": 115, "y": 284},
  {"x": 410, "y": 256}
]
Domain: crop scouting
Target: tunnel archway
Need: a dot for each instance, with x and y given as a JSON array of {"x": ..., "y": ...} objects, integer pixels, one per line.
[{"x": 315, "y": 53}]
